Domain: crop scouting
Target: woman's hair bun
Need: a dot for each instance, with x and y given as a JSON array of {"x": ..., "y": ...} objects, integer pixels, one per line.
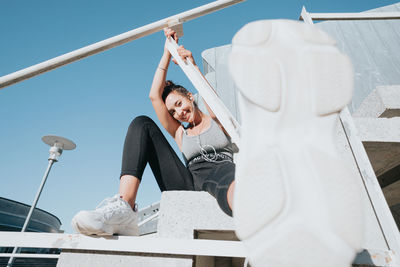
[
  {"x": 171, "y": 87},
  {"x": 169, "y": 83}
]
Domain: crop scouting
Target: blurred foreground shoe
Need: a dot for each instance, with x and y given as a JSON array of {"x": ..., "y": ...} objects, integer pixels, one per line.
[
  {"x": 112, "y": 216},
  {"x": 296, "y": 202}
]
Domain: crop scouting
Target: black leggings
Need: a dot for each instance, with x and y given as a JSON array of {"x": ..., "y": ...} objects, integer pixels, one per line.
[{"x": 145, "y": 143}]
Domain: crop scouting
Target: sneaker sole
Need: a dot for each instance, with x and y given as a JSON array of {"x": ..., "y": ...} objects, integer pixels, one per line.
[
  {"x": 296, "y": 202},
  {"x": 86, "y": 231},
  {"x": 106, "y": 230}
]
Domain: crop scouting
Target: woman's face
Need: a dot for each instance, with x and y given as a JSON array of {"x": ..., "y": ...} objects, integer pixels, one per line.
[{"x": 180, "y": 107}]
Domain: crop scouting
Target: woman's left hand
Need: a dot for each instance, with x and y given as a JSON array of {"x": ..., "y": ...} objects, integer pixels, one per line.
[{"x": 185, "y": 54}]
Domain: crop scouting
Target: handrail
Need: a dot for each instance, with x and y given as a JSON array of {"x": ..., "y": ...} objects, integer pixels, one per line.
[
  {"x": 352, "y": 16},
  {"x": 112, "y": 42},
  {"x": 156, "y": 245}
]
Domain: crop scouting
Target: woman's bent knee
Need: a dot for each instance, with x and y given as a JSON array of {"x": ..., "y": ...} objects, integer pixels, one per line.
[{"x": 140, "y": 121}]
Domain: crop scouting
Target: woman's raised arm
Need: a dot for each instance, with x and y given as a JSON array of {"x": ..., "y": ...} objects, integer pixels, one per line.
[{"x": 157, "y": 88}]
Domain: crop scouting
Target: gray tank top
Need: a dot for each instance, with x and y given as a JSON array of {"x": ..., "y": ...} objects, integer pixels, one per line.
[{"x": 212, "y": 140}]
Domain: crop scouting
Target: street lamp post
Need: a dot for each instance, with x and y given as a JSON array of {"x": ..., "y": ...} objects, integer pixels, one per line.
[{"x": 57, "y": 145}]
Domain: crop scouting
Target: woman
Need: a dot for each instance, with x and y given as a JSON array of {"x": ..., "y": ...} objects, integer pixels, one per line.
[{"x": 205, "y": 146}]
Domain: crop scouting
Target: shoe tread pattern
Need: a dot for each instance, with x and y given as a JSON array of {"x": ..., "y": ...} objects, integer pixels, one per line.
[
  {"x": 342, "y": 196},
  {"x": 266, "y": 179},
  {"x": 331, "y": 90}
]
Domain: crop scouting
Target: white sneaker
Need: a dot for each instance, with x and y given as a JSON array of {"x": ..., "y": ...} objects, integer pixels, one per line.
[
  {"x": 112, "y": 216},
  {"x": 296, "y": 202}
]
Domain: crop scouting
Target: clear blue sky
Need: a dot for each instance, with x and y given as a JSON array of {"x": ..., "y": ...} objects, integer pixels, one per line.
[{"x": 92, "y": 101}]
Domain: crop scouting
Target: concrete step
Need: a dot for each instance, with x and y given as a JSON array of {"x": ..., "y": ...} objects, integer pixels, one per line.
[
  {"x": 383, "y": 102},
  {"x": 381, "y": 139}
]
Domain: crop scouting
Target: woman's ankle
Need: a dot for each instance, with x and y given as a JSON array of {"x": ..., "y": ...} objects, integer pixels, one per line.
[
  {"x": 128, "y": 189},
  {"x": 129, "y": 200}
]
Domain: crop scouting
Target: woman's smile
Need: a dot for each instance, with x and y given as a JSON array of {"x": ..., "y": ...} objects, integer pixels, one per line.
[{"x": 180, "y": 107}]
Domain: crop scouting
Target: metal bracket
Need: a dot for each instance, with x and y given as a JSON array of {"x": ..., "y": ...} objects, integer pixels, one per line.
[{"x": 177, "y": 26}]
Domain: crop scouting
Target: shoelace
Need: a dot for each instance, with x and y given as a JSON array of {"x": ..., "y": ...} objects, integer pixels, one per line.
[
  {"x": 106, "y": 201},
  {"x": 110, "y": 205}
]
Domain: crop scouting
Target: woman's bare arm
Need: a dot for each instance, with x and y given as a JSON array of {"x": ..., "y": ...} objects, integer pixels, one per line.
[{"x": 157, "y": 88}]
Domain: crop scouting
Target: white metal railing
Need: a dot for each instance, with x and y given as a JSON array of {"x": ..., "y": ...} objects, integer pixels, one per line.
[
  {"x": 113, "y": 42},
  {"x": 384, "y": 216},
  {"x": 135, "y": 244},
  {"x": 349, "y": 16},
  {"x": 155, "y": 215}
]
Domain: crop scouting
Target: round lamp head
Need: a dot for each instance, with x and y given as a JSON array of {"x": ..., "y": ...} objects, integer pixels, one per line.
[{"x": 58, "y": 141}]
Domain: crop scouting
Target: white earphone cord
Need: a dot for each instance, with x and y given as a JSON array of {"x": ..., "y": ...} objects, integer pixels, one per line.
[{"x": 203, "y": 151}]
